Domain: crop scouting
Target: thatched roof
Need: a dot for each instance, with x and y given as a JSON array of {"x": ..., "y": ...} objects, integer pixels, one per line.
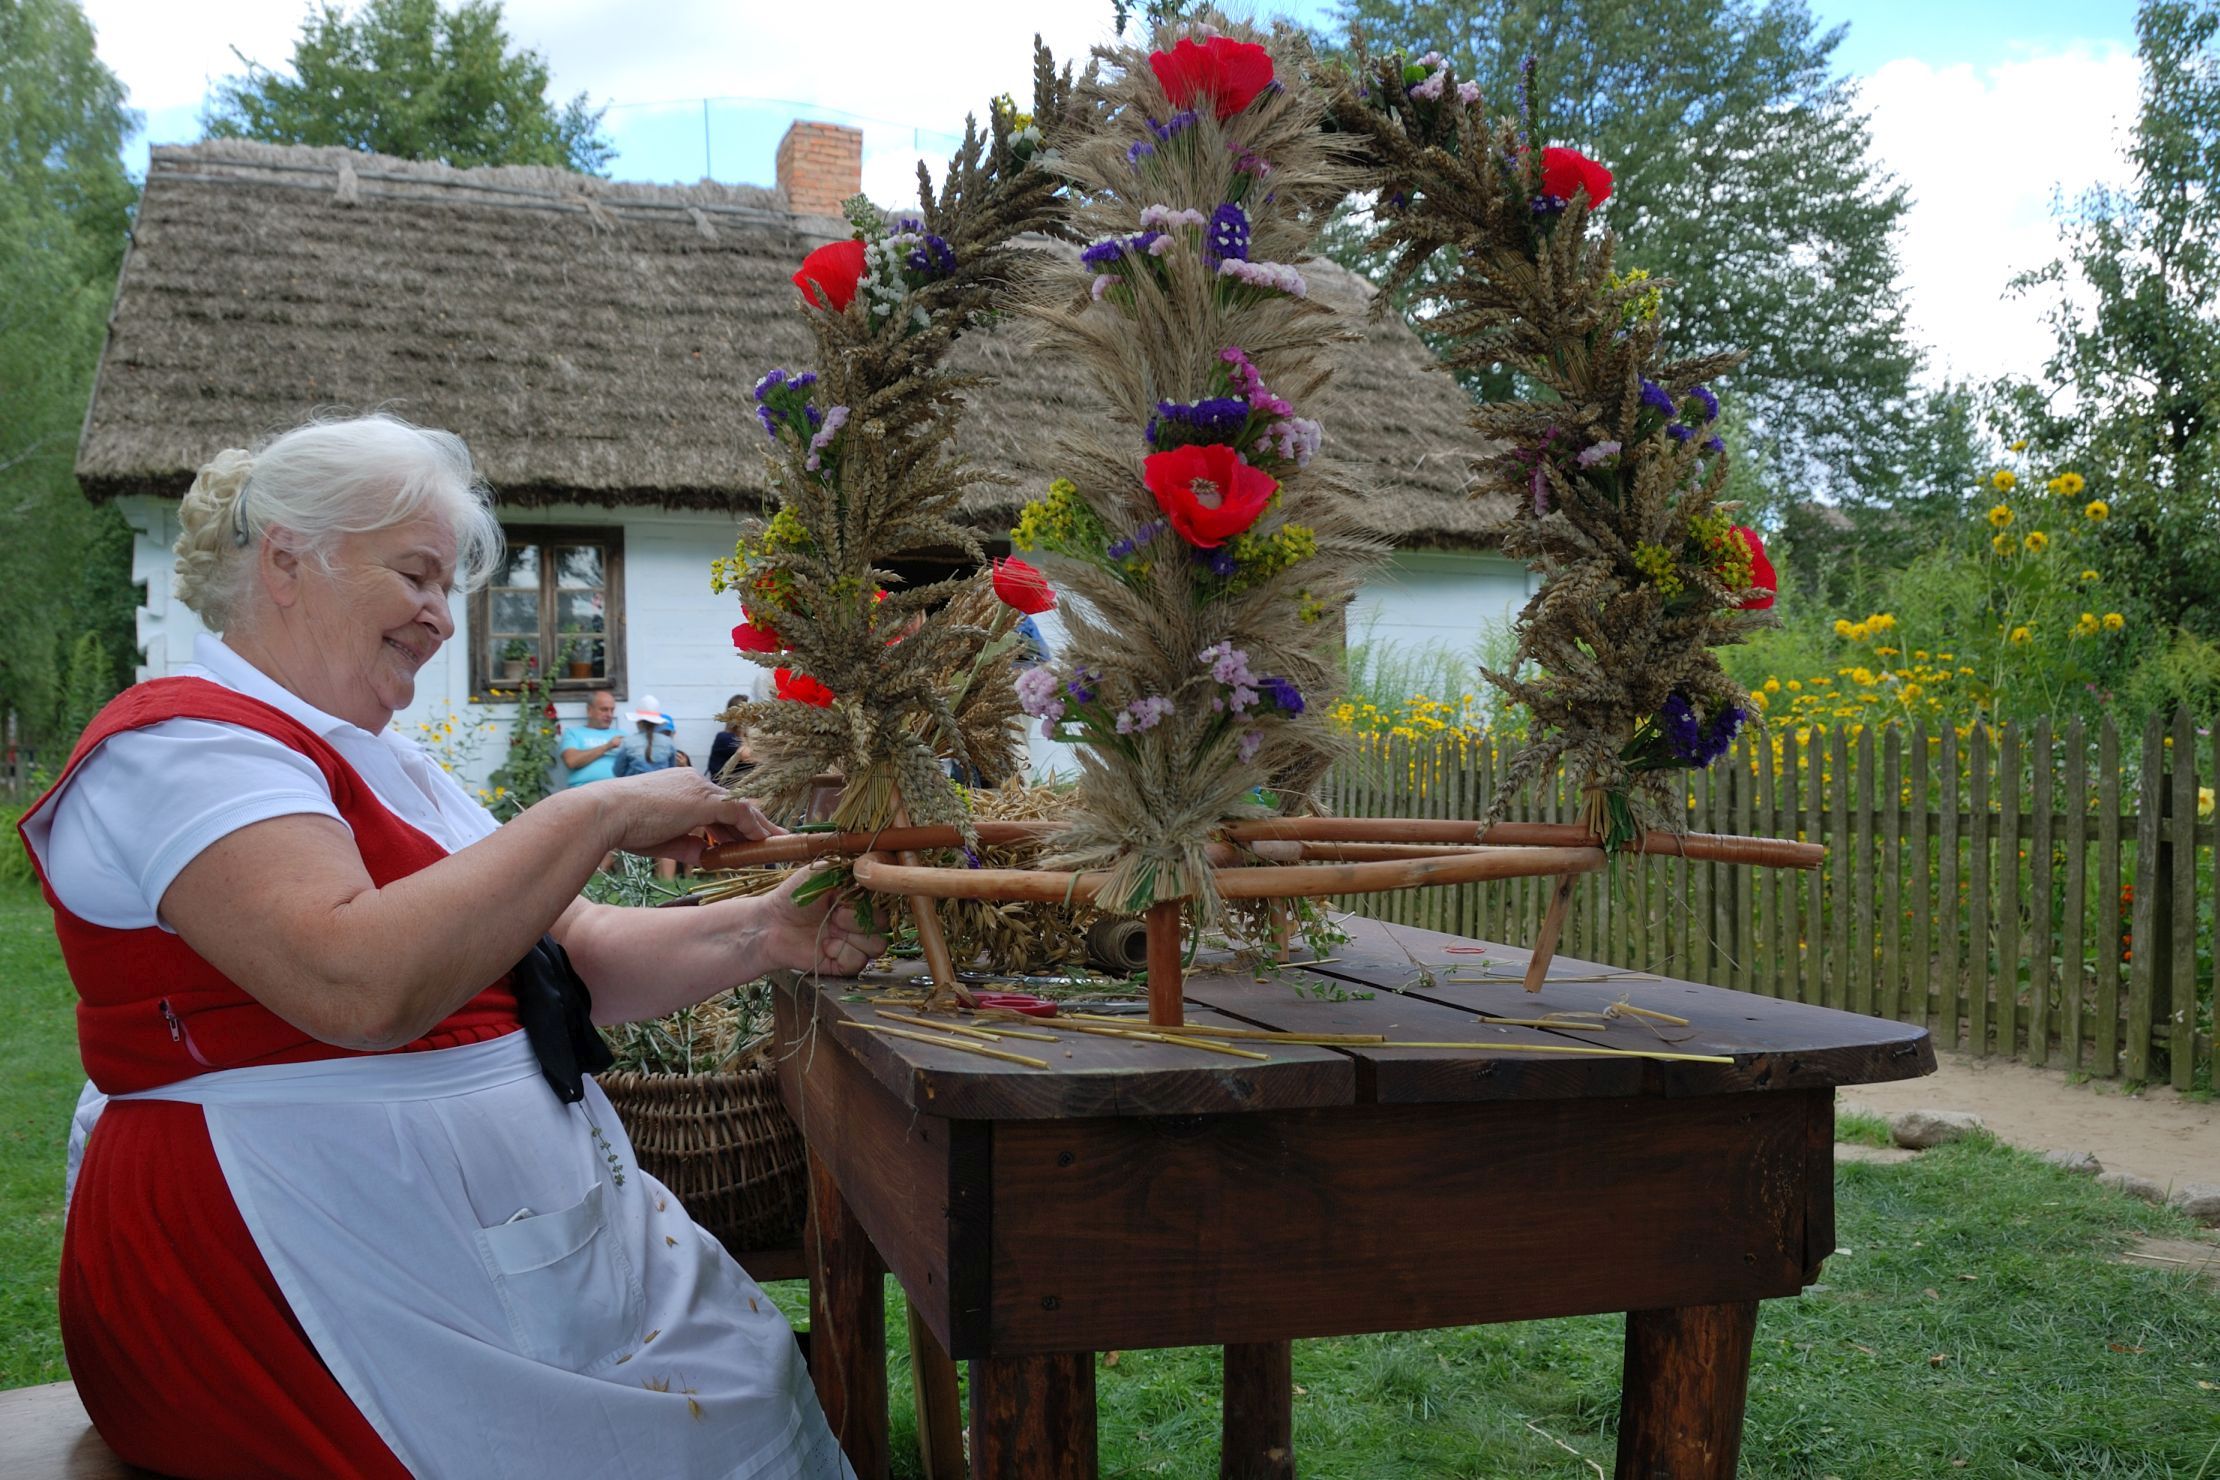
[{"x": 593, "y": 342}]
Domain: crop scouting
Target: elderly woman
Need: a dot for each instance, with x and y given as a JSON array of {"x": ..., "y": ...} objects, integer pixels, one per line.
[{"x": 340, "y": 1215}]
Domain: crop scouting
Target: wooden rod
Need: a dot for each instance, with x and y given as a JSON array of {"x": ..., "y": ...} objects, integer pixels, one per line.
[
  {"x": 883, "y": 875},
  {"x": 1715, "y": 847},
  {"x": 932, "y": 941},
  {"x": 1553, "y": 925},
  {"x": 1166, "y": 946},
  {"x": 803, "y": 846}
]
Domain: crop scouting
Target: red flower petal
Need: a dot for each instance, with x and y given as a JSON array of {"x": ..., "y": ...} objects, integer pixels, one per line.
[
  {"x": 1231, "y": 497},
  {"x": 832, "y": 271},
  {"x": 800, "y": 688},
  {"x": 1762, "y": 574},
  {"x": 751, "y": 637},
  {"x": 1023, "y": 587},
  {"x": 1229, "y": 73},
  {"x": 1567, "y": 170}
]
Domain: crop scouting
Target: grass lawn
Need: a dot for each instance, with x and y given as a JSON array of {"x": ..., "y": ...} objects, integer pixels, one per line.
[{"x": 1973, "y": 1323}]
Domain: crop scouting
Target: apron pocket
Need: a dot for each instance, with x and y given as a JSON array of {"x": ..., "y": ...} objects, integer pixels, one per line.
[{"x": 569, "y": 1290}]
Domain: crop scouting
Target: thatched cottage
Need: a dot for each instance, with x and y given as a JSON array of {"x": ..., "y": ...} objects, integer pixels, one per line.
[{"x": 595, "y": 343}]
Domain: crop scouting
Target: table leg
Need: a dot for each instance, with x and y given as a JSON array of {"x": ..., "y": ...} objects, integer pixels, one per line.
[
  {"x": 847, "y": 1325},
  {"x": 1033, "y": 1418},
  {"x": 1257, "y": 1431},
  {"x": 1686, "y": 1378},
  {"x": 940, "y": 1427}
]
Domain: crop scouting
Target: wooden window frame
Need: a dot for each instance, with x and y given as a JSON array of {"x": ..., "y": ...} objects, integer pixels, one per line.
[{"x": 485, "y": 668}]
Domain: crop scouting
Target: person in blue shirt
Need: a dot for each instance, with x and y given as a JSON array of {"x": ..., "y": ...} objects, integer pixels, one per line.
[
  {"x": 651, "y": 747},
  {"x": 589, "y": 750}
]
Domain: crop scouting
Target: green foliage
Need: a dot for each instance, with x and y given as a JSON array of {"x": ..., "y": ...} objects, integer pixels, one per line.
[
  {"x": 535, "y": 741},
  {"x": 91, "y": 684},
  {"x": 406, "y": 78},
  {"x": 2133, "y": 389},
  {"x": 1742, "y": 175},
  {"x": 64, "y": 204}
]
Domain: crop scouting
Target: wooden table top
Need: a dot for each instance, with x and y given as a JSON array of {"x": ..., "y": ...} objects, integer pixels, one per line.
[{"x": 1406, "y": 984}]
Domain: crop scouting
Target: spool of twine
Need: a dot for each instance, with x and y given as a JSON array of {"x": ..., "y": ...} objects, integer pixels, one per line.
[{"x": 1120, "y": 946}]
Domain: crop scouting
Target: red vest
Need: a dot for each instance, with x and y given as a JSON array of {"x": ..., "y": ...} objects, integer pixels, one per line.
[{"x": 150, "y": 1011}]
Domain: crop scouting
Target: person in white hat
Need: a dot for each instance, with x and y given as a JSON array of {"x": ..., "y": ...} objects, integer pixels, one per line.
[{"x": 650, "y": 748}]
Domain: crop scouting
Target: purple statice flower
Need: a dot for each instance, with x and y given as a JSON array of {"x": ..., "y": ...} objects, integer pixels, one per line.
[
  {"x": 1212, "y": 419},
  {"x": 1658, "y": 399},
  {"x": 1593, "y": 455},
  {"x": 1139, "y": 150},
  {"x": 1248, "y": 381},
  {"x": 770, "y": 421},
  {"x": 1082, "y": 685},
  {"x": 1693, "y": 741},
  {"x": 1143, "y": 714},
  {"x": 782, "y": 400},
  {"x": 1546, "y": 204},
  {"x": 1285, "y": 697},
  {"x": 1714, "y": 444},
  {"x": 1678, "y": 432},
  {"x": 1710, "y": 402},
  {"x": 1277, "y": 276},
  {"x": 1246, "y": 162},
  {"x": 1250, "y": 743},
  {"x": 1430, "y": 89},
  {"x": 1293, "y": 439},
  {"x": 1106, "y": 253},
  {"x": 835, "y": 419},
  {"x": 1172, "y": 127},
  {"x": 931, "y": 257},
  {"x": 1037, "y": 693},
  {"x": 1229, "y": 666},
  {"x": 1227, "y": 237},
  {"x": 1396, "y": 199},
  {"x": 1468, "y": 93},
  {"x": 1220, "y": 560},
  {"x": 1122, "y": 549}
]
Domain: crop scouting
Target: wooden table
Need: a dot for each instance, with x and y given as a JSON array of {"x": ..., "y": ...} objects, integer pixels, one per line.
[{"x": 1136, "y": 1196}]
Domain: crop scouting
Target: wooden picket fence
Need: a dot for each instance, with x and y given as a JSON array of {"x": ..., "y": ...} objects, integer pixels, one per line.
[{"x": 2044, "y": 893}]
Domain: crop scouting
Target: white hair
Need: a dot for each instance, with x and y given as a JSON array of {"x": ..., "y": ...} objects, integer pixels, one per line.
[{"x": 320, "y": 482}]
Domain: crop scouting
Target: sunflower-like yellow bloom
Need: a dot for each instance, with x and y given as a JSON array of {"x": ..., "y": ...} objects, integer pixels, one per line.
[
  {"x": 2087, "y": 626},
  {"x": 2000, "y": 516},
  {"x": 2113, "y": 621},
  {"x": 2098, "y": 511},
  {"x": 2002, "y": 544},
  {"x": 2021, "y": 636},
  {"x": 2037, "y": 542},
  {"x": 2004, "y": 480}
]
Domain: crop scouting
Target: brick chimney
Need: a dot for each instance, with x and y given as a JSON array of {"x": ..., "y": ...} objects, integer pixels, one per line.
[{"x": 820, "y": 165}]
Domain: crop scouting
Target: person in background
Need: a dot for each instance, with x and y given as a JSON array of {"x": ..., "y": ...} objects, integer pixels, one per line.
[
  {"x": 589, "y": 750},
  {"x": 651, "y": 748},
  {"x": 730, "y": 748}
]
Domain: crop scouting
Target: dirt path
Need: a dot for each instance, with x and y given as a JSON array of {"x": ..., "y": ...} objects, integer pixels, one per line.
[{"x": 2156, "y": 1134}]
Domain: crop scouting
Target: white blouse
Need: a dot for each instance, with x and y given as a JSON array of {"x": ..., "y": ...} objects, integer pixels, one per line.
[{"x": 147, "y": 802}]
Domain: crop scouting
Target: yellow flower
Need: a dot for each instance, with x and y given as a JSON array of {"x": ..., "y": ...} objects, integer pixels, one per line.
[
  {"x": 1881, "y": 622},
  {"x": 1842, "y": 626},
  {"x": 2087, "y": 626},
  {"x": 1862, "y": 677},
  {"x": 2090, "y": 576},
  {"x": 2098, "y": 511},
  {"x": 2068, "y": 485},
  {"x": 1910, "y": 692},
  {"x": 1772, "y": 686},
  {"x": 2000, "y": 516},
  {"x": 2113, "y": 621},
  {"x": 1920, "y": 653},
  {"x": 2037, "y": 542},
  {"x": 2002, "y": 544},
  {"x": 500, "y": 791},
  {"x": 1859, "y": 632},
  {"x": 2020, "y": 446},
  {"x": 1884, "y": 652},
  {"x": 2204, "y": 802},
  {"x": 1758, "y": 701},
  {"x": 1945, "y": 657},
  {"x": 2021, "y": 636},
  {"x": 1796, "y": 686},
  {"x": 2003, "y": 480}
]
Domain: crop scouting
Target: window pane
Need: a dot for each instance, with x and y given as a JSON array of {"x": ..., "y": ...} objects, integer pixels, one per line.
[
  {"x": 515, "y": 612},
  {"x": 578, "y": 611},
  {"x": 588, "y": 651},
  {"x": 578, "y": 566},
  {"x": 520, "y": 566},
  {"x": 507, "y": 650}
]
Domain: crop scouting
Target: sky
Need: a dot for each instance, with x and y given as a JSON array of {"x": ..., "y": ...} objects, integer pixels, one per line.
[{"x": 1989, "y": 111}]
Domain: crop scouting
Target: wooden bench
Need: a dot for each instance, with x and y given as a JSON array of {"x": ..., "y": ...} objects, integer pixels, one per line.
[{"x": 45, "y": 1435}]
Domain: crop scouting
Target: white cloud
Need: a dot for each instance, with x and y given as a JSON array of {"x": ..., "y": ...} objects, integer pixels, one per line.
[{"x": 1985, "y": 151}]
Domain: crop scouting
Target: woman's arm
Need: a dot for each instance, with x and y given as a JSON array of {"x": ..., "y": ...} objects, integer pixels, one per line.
[
  {"x": 286, "y": 910},
  {"x": 643, "y": 963},
  {"x": 587, "y": 755}
]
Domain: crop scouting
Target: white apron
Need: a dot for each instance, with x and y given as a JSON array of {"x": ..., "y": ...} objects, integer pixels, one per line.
[{"x": 494, "y": 1281}]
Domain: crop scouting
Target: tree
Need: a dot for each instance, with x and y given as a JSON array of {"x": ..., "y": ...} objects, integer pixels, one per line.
[
  {"x": 2133, "y": 393},
  {"x": 64, "y": 205},
  {"x": 1743, "y": 174},
  {"x": 406, "y": 78}
]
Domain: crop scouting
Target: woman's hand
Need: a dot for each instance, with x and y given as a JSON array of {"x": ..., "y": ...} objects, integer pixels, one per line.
[
  {"x": 674, "y": 813},
  {"x": 824, "y": 936}
]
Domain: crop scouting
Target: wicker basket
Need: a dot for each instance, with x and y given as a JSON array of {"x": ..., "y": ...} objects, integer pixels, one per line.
[{"x": 725, "y": 1144}]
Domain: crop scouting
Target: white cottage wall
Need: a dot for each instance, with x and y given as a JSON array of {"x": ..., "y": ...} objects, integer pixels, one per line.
[{"x": 677, "y": 632}]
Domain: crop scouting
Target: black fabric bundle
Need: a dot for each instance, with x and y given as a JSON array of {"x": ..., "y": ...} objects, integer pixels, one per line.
[{"x": 557, "y": 1012}]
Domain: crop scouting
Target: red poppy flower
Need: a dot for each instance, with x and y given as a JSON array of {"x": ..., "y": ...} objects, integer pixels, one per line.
[
  {"x": 1208, "y": 492},
  {"x": 754, "y": 637},
  {"x": 833, "y": 271},
  {"x": 1762, "y": 575},
  {"x": 1567, "y": 170},
  {"x": 549, "y": 712},
  {"x": 1230, "y": 73},
  {"x": 801, "y": 688},
  {"x": 1023, "y": 587}
]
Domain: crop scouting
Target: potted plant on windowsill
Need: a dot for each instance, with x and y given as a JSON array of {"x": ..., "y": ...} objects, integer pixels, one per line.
[
  {"x": 513, "y": 656},
  {"x": 577, "y": 661}
]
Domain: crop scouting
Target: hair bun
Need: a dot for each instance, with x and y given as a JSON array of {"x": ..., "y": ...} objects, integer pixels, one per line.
[{"x": 212, "y": 521}]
